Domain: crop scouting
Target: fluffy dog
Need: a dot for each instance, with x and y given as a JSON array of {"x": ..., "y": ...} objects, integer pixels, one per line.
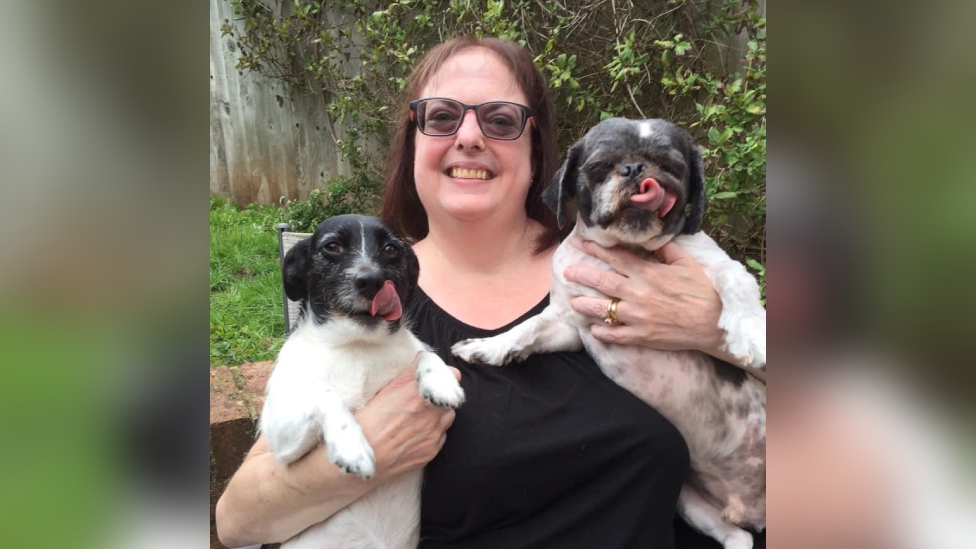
[
  {"x": 351, "y": 340},
  {"x": 639, "y": 184}
]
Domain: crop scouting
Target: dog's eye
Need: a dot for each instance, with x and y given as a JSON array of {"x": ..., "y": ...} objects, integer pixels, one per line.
[
  {"x": 675, "y": 172},
  {"x": 391, "y": 251},
  {"x": 333, "y": 247}
]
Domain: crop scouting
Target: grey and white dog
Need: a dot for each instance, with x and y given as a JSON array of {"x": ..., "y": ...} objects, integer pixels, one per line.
[{"x": 639, "y": 184}]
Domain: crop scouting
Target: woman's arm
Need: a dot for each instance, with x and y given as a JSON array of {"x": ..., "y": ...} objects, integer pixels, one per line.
[
  {"x": 671, "y": 305},
  {"x": 268, "y": 502}
]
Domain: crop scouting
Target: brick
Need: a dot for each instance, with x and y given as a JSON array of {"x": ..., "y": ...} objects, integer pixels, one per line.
[
  {"x": 232, "y": 432},
  {"x": 226, "y": 399},
  {"x": 231, "y": 426},
  {"x": 252, "y": 380}
]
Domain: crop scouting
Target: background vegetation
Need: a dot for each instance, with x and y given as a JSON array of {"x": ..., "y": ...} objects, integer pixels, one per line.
[{"x": 701, "y": 64}]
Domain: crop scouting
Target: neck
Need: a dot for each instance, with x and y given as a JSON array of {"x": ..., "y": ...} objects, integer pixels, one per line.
[{"x": 483, "y": 246}]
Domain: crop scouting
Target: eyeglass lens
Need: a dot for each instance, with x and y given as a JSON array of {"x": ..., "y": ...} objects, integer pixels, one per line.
[{"x": 497, "y": 120}]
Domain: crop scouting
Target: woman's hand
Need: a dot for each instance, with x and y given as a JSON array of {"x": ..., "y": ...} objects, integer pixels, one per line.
[
  {"x": 669, "y": 306},
  {"x": 405, "y": 431}
]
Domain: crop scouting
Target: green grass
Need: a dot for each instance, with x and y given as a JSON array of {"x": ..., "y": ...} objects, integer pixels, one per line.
[{"x": 246, "y": 319}]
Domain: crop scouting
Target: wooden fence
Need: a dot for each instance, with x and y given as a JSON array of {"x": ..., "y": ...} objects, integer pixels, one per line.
[{"x": 264, "y": 145}]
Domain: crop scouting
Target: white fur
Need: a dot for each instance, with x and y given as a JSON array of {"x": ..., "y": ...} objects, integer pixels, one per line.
[
  {"x": 609, "y": 194},
  {"x": 669, "y": 381},
  {"x": 645, "y": 129},
  {"x": 326, "y": 371}
]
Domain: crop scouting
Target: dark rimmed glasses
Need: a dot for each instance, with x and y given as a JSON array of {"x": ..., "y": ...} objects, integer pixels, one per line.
[{"x": 440, "y": 117}]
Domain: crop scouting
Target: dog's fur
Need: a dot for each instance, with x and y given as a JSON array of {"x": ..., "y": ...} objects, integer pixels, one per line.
[
  {"x": 719, "y": 409},
  {"x": 338, "y": 357}
]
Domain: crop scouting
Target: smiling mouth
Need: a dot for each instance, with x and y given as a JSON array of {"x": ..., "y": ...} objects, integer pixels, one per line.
[{"x": 463, "y": 173}]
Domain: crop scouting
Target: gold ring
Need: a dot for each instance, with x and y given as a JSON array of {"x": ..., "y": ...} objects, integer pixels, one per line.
[{"x": 612, "y": 312}]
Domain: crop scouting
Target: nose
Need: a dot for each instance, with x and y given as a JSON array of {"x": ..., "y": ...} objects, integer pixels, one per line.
[
  {"x": 630, "y": 170},
  {"x": 368, "y": 283},
  {"x": 469, "y": 135}
]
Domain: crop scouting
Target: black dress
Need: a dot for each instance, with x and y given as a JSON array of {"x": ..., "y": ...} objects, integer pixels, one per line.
[{"x": 549, "y": 453}]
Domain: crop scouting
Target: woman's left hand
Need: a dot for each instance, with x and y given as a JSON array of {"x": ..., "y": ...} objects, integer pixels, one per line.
[{"x": 668, "y": 306}]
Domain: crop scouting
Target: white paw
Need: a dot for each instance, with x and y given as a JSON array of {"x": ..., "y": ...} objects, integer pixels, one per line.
[
  {"x": 739, "y": 539},
  {"x": 439, "y": 387},
  {"x": 492, "y": 351},
  {"x": 747, "y": 341},
  {"x": 350, "y": 451}
]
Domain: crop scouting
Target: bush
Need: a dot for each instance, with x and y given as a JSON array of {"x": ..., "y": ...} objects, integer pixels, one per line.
[{"x": 670, "y": 59}]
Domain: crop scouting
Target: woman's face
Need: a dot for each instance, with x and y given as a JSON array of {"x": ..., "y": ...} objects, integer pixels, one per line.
[{"x": 467, "y": 176}]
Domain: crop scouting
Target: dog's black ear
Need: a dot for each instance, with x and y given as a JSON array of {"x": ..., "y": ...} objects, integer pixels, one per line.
[
  {"x": 294, "y": 271},
  {"x": 413, "y": 267},
  {"x": 562, "y": 188},
  {"x": 697, "y": 201}
]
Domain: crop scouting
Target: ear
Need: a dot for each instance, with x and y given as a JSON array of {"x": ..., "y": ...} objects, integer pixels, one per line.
[
  {"x": 562, "y": 188},
  {"x": 294, "y": 271},
  {"x": 696, "y": 193},
  {"x": 413, "y": 267}
]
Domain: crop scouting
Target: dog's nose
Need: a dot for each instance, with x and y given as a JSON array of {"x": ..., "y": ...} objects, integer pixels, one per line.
[
  {"x": 632, "y": 169},
  {"x": 368, "y": 283}
]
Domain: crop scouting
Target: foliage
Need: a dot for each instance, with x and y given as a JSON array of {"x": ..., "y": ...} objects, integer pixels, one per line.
[
  {"x": 246, "y": 319},
  {"x": 699, "y": 64}
]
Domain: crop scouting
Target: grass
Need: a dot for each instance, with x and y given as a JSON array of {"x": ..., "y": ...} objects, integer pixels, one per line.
[{"x": 246, "y": 319}]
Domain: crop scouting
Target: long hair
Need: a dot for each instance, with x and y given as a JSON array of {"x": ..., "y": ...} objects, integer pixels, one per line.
[{"x": 401, "y": 203}]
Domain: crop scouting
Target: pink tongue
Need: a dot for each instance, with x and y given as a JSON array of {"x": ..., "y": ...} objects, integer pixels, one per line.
[
  {"x": 386, "y": 303},
  {"x": 653, "y": 198}
]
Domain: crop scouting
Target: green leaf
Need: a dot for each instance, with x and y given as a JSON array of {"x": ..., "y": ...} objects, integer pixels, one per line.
[
  {"x": 713, "y": 135},
  {"x": 755, "y": 265},
  {"x": 724, "y": 195}
]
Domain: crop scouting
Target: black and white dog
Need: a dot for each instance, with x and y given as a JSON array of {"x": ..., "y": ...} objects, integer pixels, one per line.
[
  {"x": 639, "y": 184},
  {"x": 351, "y": 340}
]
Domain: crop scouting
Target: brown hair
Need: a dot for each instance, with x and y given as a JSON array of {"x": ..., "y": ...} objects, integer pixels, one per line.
[{"x": 401, "y": 204}]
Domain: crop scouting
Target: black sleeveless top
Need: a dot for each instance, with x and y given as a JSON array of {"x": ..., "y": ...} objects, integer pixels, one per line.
[{"x": 548, "y": 453}]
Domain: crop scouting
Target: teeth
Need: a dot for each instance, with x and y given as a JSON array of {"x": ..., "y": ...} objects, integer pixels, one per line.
[{"x": 462, "y": 173}]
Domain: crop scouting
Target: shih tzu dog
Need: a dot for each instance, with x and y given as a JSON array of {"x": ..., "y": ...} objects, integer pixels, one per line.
[{"x": 639, "y": 185}]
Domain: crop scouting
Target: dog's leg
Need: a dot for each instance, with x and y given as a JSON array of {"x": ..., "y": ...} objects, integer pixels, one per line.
[
  {"x": 544, "y": 333},
  {"x": 347, "y": 445},
  {"x": 705, "y": 518},
  {"x": 743, "y": 317},
  {"x": 311, "y": 413},
  {"x": 437, "y": 383}
]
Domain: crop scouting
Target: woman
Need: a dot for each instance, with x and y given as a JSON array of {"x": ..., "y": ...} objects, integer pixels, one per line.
[{"x": 547, "y": 453}]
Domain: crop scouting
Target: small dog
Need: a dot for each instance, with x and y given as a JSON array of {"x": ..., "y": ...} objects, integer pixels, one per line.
[
  {"x": 634, "y": 181},
  {"x": 351, "y": 340}
]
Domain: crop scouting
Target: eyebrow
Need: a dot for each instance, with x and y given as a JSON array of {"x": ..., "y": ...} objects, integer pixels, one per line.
[{"x": 327, "y": 236}]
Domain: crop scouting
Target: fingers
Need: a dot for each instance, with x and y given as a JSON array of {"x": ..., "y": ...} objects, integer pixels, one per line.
[
  {"x": 608, "y": 282},
  {"x": 622, "y": 261},
  {"x": 447, "y": 419},
  {"x": 619, "y": 334},
  {"x": 596, "y": 307},
  {"x": 456, "y": 372},
  {"x": 673, "y": 254}
]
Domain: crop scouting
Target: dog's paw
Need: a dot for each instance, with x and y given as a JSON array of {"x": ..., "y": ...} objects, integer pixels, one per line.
[
  {"x": 350, "y": 451},
  {"x": 747, "y": 341},
  {"x": 439, "y": 387},
  {"x": 740, "y": 539},
  {"x": 491, "y": 351}
]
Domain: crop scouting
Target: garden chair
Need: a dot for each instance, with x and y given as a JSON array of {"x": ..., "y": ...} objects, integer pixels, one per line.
[{"x": 287, "y": 239}]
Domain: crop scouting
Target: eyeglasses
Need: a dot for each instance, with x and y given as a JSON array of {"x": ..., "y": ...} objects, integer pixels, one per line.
[{"x": 497, "y": 119}]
